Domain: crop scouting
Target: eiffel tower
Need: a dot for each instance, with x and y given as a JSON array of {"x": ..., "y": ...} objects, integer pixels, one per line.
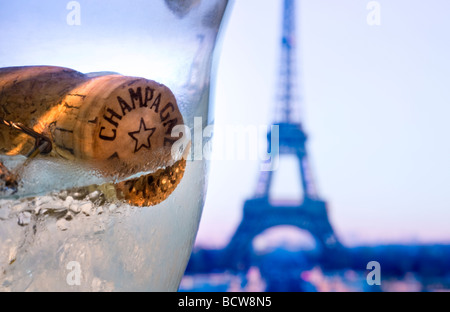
[{"x": 261, "y": 213}]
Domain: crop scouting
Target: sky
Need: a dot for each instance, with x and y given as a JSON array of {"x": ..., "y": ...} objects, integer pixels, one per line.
[
  {"x": 375, "y": 107},
  {"x": 375, "y": 102}
]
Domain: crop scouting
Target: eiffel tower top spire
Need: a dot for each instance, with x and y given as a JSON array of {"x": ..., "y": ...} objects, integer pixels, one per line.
[
  {"x": 288, "y": 100},
  {"x": 292, "y": 138}
]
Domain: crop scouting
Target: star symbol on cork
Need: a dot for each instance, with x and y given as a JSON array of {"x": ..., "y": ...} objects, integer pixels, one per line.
[{"x": 142, "y": 136}]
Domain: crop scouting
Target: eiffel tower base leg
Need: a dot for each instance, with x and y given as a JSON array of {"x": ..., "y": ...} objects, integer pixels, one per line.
[{"x": 260, "y": 215}]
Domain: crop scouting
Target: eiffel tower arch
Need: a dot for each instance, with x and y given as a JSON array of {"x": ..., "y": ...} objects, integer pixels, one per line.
[{"x": 260, "y": 212}]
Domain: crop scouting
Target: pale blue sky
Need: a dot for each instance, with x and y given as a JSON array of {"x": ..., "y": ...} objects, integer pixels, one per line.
[{"x": 376, "y": 108}]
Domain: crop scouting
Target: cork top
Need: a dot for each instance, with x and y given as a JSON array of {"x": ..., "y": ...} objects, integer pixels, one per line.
[{"x": 122, "y": 124}]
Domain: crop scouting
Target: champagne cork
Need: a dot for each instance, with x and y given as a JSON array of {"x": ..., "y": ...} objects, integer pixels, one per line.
[{"x": 118, "y": 125}]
